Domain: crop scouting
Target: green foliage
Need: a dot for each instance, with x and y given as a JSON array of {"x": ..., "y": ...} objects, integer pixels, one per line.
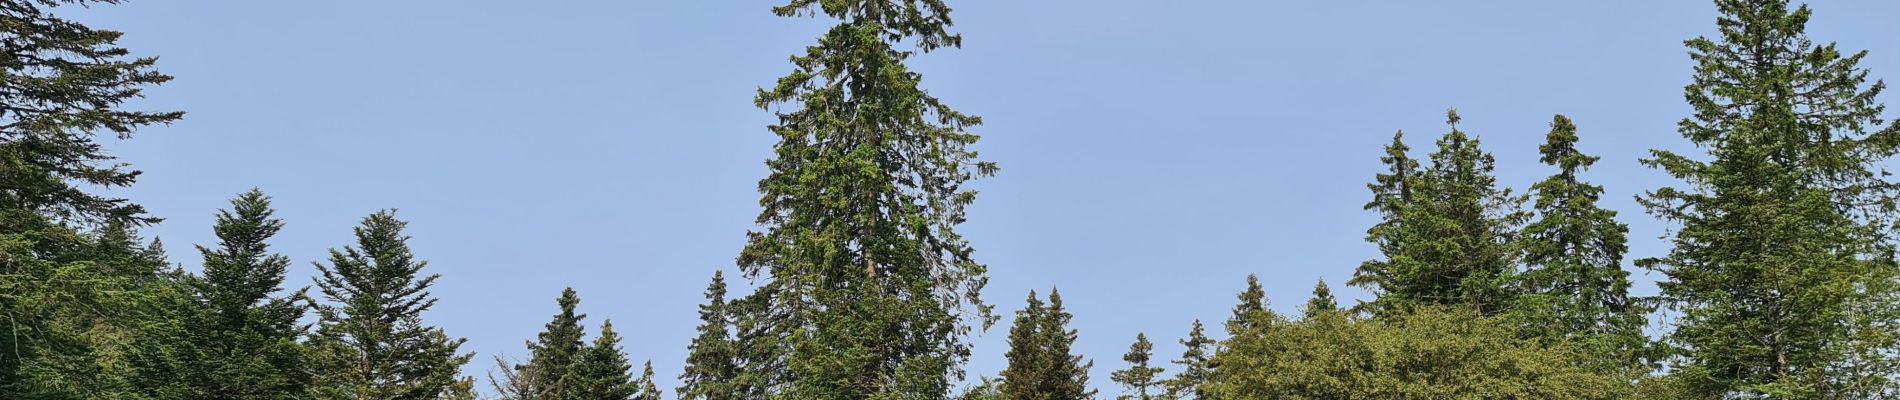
[
  {"x": 554, "y": 351},
  {"x": 868, "y": 283},
  {"x": 1322, "y": 301},
  {"x": 1574, "y": 287},
  {"x": 602, "y": 372},
  {"x": 1196, "y": 366},
  {"x": 239, "y": 341},
  {"x": 1782, "y": 272},
  {"x": 1041, "y": 364},
  {"x": 1430, "y": 353},
  {"x": 712, "y": 360},
  {"x": 1447, "y": 231},
  {"x": 1142, "y": 381},
  {"x": 1251, "y": 313},
  {"x": 370, "y": 341}
]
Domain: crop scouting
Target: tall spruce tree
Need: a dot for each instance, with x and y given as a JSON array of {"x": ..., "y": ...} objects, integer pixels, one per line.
[
  {"x": 1251, "y": 312},
  {"x": 1196, "y": 366},
  {"x": 870, "y": 283},
  {"x": 69, "y": 311},
  {"x": 1142, "y": 382},
  {"x": 712, "y": 360},
  {"x": 1322, "y": 301},
  {"x": 243, "y": 339},
  {"x": 1041, "y": 366},
  {"x": 552, "y": 355},
  {"x": 370, "y": 341},
  {"x": 602, "y": 371},
  {"x": 1574, "y": 286},
  {"x": 1782, "y": 272},
  {"x": 1448, "y": 231}
]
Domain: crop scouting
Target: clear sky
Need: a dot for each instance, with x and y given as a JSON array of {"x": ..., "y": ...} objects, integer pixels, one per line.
[{"x": 1153, "y": 154}]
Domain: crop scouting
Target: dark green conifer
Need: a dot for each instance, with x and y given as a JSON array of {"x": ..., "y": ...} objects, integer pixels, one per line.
[
  {"x": 1041, "y": 365},
  {"x": 868, "y": 284},
  {"x": 1252, "y": 310},
  {"x": 1196, "y": 366},
  {"x": 602, "y": 372},
  {"x": 1782, "y": 274},
  {"x": 712, "y": 360},
  {"x": 1322, "y": 301},
  {"x": 1448, "y": 231},
  {"x": 1574, "y": 286},
  {"x": 555, "y": 351},
  {"x": 244, "y": 342},
  {"x": 1141, "y": 381},
  {"x": 370, "y": 341},
  {"x": 65, "y": 84}
]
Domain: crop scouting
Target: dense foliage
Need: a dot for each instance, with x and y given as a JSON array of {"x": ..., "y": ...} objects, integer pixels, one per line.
[{"x": 1781, "y": 280}]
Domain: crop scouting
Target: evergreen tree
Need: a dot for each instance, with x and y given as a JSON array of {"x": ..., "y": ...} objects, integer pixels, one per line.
[
  {"x": 868, "y": 282},
  {"x": 1041, "y": 365},
  {"x": 648, "y": 390},
  {"x": 1142, "y": 381},
  {"x": 1782, "y": 274},
  {"x": 70, "y": 313},
  {"x": 1252, "y": 311},
  {"x": 1574, "y": 286},
  {"x": 1322, "y": 301},
  {"x": 1027, "y": 359},
  {"x": 244, "y": 341},
  {"x": 1449, "y": 231},
  {"x": 370, "y": 341},
  {"x": 1196, "y": 366},
  {"x": 1430, "y": 352},
  {"x": 712, "y": 360},
  {"x": 555, "y": 351},
  {"x": 602, "y": 372}
]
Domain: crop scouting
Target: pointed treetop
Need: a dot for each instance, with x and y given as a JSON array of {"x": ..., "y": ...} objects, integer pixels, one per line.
[{"x": 1322, "y": 300}]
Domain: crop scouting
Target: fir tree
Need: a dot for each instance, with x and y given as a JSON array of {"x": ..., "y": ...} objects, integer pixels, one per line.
[
  {"x": 868, "y": 282},
  {"x": 712, "y": 360},
  {"x": 1449, "y": 230},
  {"x": 602, "y": 372},
  {"x": 1781, "y": 271},
  {"x": 1041, "y": 366},
  {"x": 1252, "y": 311},
  {"x": 1322, "y": 301},
  {"x": 370, "y": 341},
  {"x": 1068, "y": 373},
  {"x": 1574, "y": 284},
  {"x": 553, "y": 354},
  {"x": 1142, "y": 381},
  {"x": 1196, "y": 366},
  {"x": 65, "y": 83},
  {"x": 244, "y": 341}
]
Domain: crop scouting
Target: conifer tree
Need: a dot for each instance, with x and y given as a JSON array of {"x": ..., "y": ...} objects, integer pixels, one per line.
[
  {"x": 1141, "y": 381},
  {"x": 370, "y": 341},
  {"x": 1069, "y": 372},
  {"x": 1196, "y": 366},
  {"x": 1574, "y": 284},
  {"x": 1041, "y": 365},
  {"x": 1448, "y": 233},
  {"x": 1252, "y": 311},
  {"x": 712, "y": 360},
  {"x": 868, "y": 282},
  {"x": 601, "y": 371},
  {"x": 648, "y": 390},
  {"x": 1322, "y": 301},
  {"x": 243, "y": 340},
  {"x": 1782, "y": 272},
  {"x": 555, "y": 351},
  {"x": 65, "y": 83}
]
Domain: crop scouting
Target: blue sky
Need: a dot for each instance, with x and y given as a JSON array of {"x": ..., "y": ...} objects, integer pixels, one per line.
[{"x": 1152, "y": 155}]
